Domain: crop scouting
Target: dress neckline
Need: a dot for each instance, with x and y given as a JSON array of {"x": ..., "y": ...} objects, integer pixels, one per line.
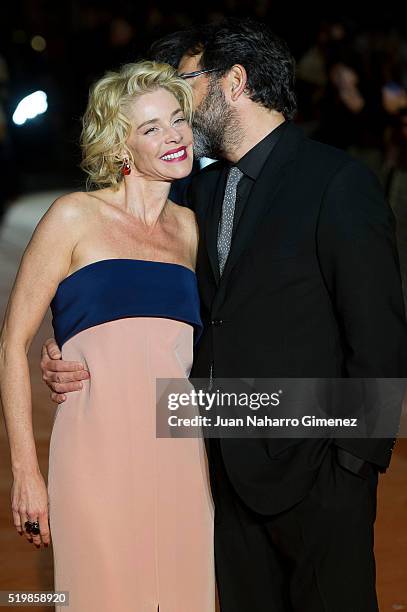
[{"x": 127, "y": 259}]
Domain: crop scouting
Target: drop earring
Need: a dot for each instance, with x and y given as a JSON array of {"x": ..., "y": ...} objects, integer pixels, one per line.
[{"x": 125, "y": 169}]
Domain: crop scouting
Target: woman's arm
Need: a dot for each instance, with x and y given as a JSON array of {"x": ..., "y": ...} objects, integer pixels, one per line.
[{"x": 46, "y": 261}]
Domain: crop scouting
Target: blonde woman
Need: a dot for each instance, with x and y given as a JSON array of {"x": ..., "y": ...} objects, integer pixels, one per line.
[{"x": 130, "y": 515}]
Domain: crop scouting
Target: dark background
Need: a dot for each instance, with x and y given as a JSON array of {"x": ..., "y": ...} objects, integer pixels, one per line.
[{"x": 83, "y": 39}]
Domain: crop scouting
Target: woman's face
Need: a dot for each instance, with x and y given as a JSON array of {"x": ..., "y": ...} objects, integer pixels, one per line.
[{"x": 160, "y": 138}]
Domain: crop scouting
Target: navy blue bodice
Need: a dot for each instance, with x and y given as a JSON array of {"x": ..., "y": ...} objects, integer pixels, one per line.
[{"x": 113, "y": 289}]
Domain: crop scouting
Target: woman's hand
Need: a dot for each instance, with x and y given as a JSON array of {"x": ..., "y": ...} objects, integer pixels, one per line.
[{"x": 29, "y": 502}]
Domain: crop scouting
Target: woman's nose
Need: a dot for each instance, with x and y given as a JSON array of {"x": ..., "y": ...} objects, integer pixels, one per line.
[{"x": 173, "y": 135}]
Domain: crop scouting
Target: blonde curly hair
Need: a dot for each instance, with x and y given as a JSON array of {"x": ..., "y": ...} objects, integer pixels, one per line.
[{"x": 105, "y": 124}]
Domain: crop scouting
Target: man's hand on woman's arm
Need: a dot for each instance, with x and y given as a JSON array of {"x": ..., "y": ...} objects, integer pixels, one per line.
[{"x": 61, "y": 376}]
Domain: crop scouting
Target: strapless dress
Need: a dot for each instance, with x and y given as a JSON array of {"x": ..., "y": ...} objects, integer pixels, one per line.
[{"x": 131, "y": 514}]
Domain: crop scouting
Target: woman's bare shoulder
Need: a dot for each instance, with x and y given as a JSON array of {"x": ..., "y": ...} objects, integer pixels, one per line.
[
  {"x": 75, "y": 206},
  {"x": 184, "y": 214},
  {"x": 74, "y": 202},
  {"x": 189, "y": 227}
]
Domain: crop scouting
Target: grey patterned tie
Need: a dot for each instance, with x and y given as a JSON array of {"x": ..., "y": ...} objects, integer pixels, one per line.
[{"x": 228, "y": 211}]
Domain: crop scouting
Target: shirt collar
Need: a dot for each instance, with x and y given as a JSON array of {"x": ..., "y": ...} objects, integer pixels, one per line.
[{"x": 253, "y": 161}]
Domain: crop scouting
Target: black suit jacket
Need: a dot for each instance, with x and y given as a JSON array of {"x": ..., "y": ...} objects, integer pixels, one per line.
[{"x": 311, "y": 288}]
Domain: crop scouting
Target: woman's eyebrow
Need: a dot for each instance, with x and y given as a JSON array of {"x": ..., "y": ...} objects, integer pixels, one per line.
[{"x": 155, "y": 120}]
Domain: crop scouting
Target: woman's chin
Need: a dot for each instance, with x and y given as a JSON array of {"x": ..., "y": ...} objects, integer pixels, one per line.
[{"x": 181, "y": 172}]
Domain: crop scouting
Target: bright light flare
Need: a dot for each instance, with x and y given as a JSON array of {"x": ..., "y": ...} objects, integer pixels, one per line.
[{"x": 30, "y": 106}]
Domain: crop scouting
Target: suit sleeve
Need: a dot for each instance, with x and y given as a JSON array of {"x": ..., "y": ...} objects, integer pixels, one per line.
[{"x": 359, "y": 262}]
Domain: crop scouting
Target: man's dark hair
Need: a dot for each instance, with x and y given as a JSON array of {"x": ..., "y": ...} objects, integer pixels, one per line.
[
  {"x": 172, "y": 47},
  {"x": 267, "y": 59}
]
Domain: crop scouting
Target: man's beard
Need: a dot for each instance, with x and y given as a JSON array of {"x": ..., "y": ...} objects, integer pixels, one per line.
[{"x": 215, "y": 125}]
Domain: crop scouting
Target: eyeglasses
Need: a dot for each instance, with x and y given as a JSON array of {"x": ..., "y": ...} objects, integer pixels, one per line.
[{"x": 190, "y": 75}]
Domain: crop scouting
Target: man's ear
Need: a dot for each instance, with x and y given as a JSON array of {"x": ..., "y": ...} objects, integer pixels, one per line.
[{"x": 237, "y": 80}]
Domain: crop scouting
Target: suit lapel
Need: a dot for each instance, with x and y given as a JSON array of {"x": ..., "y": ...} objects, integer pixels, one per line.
[{"x": 262, "y": 195}]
